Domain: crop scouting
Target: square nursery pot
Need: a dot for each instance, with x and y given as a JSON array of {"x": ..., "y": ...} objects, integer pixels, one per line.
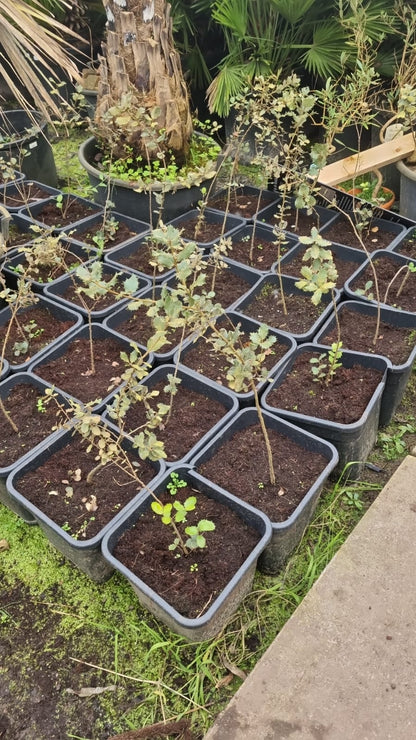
[
  {"x": 108, "y": 230},
  {"x": 28, "y": 445},
  {"x": 355, "y": 440},
  {"x": 190, "y": 429},
  {"x": 382, "y": 233},
  {"x": 390, "y": 268},
  {"x": 285, "y": 341},
  {"x": 406, "y": 246},
  {"x": 244, "y": 201},
  {"x": 287, "y": 529},
  {"x": 134, "y": 257},
  {"x": 319, "y": 218},
  {"x": 118, "y": 320},
  {"x": 60, "y": 218},
  {"x": 269, "y": 287},
  {"x": 264, "y": 250},
  {"x": 398, "y": 373},
  {"x": 17, "y": 195},
  {"x": 84, "y": 553},
  {"x": 54, "y": 312},
  {"x": 215, "y": 224},
  {"x": 75, "y": 254},
  {"x": 210, "y": 622},
  {"x": 58, "y": 292},
  {"x": 232, "y": 281},
  {"x": 347, "y": 260},
  {"x": 9, "y": 176},
  {"x": 51, "y": 365}
]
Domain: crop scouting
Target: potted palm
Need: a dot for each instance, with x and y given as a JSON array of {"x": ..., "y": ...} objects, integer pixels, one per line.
[{"x": 143, "y": 126}]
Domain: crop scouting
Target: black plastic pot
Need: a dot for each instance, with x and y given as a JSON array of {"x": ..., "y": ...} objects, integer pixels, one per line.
[
  {"x": 247, "y": 325},
  {"x": 56, "y": 291},
  {"x": 208, "y": 625},
  {"x": 85, "y": 553},
  {"x": 29, "y": 145},
  {"x": 57, "y": 312},
  {"x": 77, "y": 253},
  {"x": 287, "y": 534},
  {"x": 248, "y": 274},
  {"x": 324, "y": 216},
  {"x": 116, "y": 318},
  {"x": 128, "y": 200},
  {"x": 117, "y": 256},
  {"x": 61, "y": 347},
  {"x": 395, "y": 229},
  {"x": 5, "y": 388},
  {"x": 264, "y": 233},
  {"x": 194, "y": 382},
  {"x": 289, "y": 287},
  {"x": 33, "y": 214},
  {"x": 246, "y": 190},
  {"x": 397, "y": 375},
  {"x": 230, "y": 224},
  {"x": 353, "y": 441},
  {"x": 345, "y": 254},
  {"x": 137, "y": 227},
  {"x": 351, "y": 285},
  {"x": 18, "y": 195}
]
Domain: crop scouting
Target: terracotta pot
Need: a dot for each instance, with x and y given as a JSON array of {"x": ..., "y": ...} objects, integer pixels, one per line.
[{"x": 390, "y": 197}]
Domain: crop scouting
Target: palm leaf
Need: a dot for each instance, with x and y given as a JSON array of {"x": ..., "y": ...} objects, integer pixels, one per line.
[
  {"x": 293, "y": 10},
  {"x": 323, "y": 57},
  {"x": 229, "y": 82},
  {"x": 233, "y": 15},
  {"x": 31, "y": 40}
]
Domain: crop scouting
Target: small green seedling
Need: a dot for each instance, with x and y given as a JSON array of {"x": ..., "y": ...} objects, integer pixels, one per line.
[
  {"x": 40, "y": 406},
  {"x": 325, "y": 366},
  {"x": 175, "y": 514}
]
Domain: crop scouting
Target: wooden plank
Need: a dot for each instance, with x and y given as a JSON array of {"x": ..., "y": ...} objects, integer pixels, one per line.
[{"x": 370, "y": 159}]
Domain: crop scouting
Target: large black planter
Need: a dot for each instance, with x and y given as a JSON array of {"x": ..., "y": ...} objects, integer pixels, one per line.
[
  {"x": 28, "y": 134},
  {"x": 207, "y": 625},
  {"x": 126, "y": 198},
  {"x": 354, "y": 441},
  {"x": 287, "y": 534}
]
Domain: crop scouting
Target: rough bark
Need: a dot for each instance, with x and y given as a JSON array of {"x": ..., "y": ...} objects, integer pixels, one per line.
[{"x": 140, "y": 73}]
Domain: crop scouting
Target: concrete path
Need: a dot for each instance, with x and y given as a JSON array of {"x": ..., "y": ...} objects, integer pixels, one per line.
[{"x": 344, "y": 666}]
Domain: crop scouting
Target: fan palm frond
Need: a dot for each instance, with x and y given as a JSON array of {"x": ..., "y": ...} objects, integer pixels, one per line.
[
  {"x": 31, "y": 39},
  {"x": 229, "y": 82},
  {"x": 323, "y": 57}
]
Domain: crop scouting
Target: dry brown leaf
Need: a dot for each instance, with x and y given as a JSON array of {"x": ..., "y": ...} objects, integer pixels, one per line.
[{"x": 4, "y": 545}]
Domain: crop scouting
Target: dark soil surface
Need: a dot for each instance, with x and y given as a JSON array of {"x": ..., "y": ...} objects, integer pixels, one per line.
[
  {"x": 33, "y": 423},
  {"x": 105, "y": 238},
  {"x": 357, "y": 333},
  {"x": 374, "y": 237},
  {"x": 296, "y": 469},
  {"x": 26, "y": 193},
  {"x": 345, "y": 268},
  {"x": 240, "y": 204},
  {"x": 72, "y": 210},
  {"x": 144, "y": 549},
  {"x": 36, "y": 326},
  {"x": 139, "y": 260},
  {"x": 207, "y": 231},
  {"x": 297, "y": 222},
  {"x": 397, "y": 289},
  {"x": 267, "y": 308},
  {"x": 193, "y": 414},
  {"x": 60, "y": 488},
  {"x": 72, "y": 370},
  {"x": 17, "y": 237},
  {"x": 264, "y": 252},
  {"x": 408, "y": 246},
  {"x": 343, "y": 400}
]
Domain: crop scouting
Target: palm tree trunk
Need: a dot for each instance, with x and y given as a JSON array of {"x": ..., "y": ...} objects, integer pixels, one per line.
[{"x": 140, "y": 70}]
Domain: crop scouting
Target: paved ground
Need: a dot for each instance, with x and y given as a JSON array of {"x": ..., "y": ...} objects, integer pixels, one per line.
[{"x": 344, "y": 665}]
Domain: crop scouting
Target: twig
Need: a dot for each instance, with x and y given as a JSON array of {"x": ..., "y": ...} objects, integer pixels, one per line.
[{"x": 158, "y": 730}]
